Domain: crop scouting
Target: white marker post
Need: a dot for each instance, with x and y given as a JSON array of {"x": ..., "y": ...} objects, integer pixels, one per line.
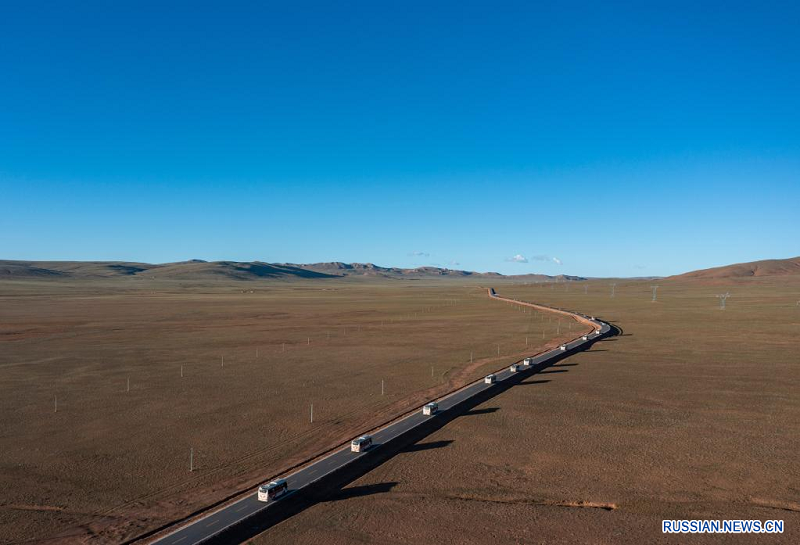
[
  {"x": 381, "y": 386},
  {"x": 312, "y": 413},
  {"x": 191, "y": 459}
]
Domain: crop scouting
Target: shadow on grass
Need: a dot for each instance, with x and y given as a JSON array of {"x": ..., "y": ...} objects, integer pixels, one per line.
[
  {"x": 418, "y": 447},
  {"x": 361, "y": 491},
  {"x": 487, "y": 410}
]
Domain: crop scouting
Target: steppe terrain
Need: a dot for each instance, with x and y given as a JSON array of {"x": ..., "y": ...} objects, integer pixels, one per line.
[
  {"x": 693, "y": 412},
  {"x": 110, "y": 380}
]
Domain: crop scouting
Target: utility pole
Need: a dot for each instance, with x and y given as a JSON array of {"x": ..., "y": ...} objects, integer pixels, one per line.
[
  {"x": 191, "y": 459},
  {"x": 128, "y": 389},
  {"x": 381, "y": 386},
  {"x": 655, "y": 288},
  {"x": 312, "y": 413},
  {"x": 55, "y": 403},
  {"x": 613, "y": 288},
  {"x": 181, "y": 371}
]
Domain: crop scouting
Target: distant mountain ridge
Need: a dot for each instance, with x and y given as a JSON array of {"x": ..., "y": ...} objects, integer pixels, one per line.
[
  {"x": 766, "y": 267},
  {"x": 197, "y": 269}
]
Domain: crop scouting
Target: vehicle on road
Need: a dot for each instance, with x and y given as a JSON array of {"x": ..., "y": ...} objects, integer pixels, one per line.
[
  {"x": 490, "y": 379},
  {"x": 563, "y": 347},
  {"x": 273, "y": 490},
  {"x": 585, "y": 337},
  {"x": 361, "y": 444},
  {"x": 430, "y": 408},
  {"x": 514, "y": 368},
  {"x": 527, "y": 362}
]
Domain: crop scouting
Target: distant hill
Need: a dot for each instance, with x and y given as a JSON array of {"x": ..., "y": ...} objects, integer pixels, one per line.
[
  {"x": 197, "y": 269},
  {"x": 767, "y": 267}
]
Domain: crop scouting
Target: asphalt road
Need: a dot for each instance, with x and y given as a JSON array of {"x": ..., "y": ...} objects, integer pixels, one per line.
[{"x": 202, "y": 529}]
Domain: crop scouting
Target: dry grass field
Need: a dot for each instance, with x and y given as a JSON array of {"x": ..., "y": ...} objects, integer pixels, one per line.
[
  {"x": 108, "y": 384},
  {"x": 693, "y": 412}
]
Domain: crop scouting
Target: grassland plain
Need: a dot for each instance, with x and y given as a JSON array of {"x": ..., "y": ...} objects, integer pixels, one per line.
[
  {"x": 693, "y": 412},
  {"x": 109, "y": 384}
]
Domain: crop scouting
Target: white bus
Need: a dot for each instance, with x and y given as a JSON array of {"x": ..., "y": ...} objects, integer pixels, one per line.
[
  {"x": 527, "y": 362},
  {"x": 273, "y": 490},
  {"x": 514, "y": 368},
  {"x": 490, "y": 379},
  {"x": 430, "y": 408},
  {"x": 361, "y": 444}
]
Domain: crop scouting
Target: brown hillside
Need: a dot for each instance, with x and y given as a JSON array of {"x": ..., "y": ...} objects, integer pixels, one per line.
[{"x": 767, "y": 267}]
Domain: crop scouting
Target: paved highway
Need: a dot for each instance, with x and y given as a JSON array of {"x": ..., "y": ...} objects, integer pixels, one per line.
[{"x": 208, "y": 526}]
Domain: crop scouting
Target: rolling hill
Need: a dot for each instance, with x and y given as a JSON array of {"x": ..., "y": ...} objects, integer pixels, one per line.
[
  {"x": 767, "y": 267},
  {"x": 197, "y": 269}
]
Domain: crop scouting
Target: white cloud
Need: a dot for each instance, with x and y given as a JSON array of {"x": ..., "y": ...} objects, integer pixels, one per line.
[
  {"x": 547, "y": 258},
  {"x": 454, "y": 263},
  {"x": 519, "y": 258},
  {"x": 419, "y": 254}
]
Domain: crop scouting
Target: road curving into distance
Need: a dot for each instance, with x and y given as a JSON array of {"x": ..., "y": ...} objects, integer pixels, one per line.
[{"x": 246, "y": 517}]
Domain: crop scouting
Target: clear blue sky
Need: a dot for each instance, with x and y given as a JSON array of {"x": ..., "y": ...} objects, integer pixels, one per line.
[{"x": 618, "y": 139}]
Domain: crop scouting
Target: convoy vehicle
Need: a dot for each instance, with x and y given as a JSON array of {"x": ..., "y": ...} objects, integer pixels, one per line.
[
  {"x": 490, "y": 379},
  {"x": 430, "y": 408},
  {"x": 527, "y": 362},
  {"x": 585, "y": 337},
  {"x": 273, "y": 490},
  {"x": 563, "y": 347},
  {"x": 361, "y": 444},
  {"x": 514, "y": 368}
]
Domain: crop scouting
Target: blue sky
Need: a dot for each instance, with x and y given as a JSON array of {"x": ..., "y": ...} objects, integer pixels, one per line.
[{"x": 619, "y": 140}]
